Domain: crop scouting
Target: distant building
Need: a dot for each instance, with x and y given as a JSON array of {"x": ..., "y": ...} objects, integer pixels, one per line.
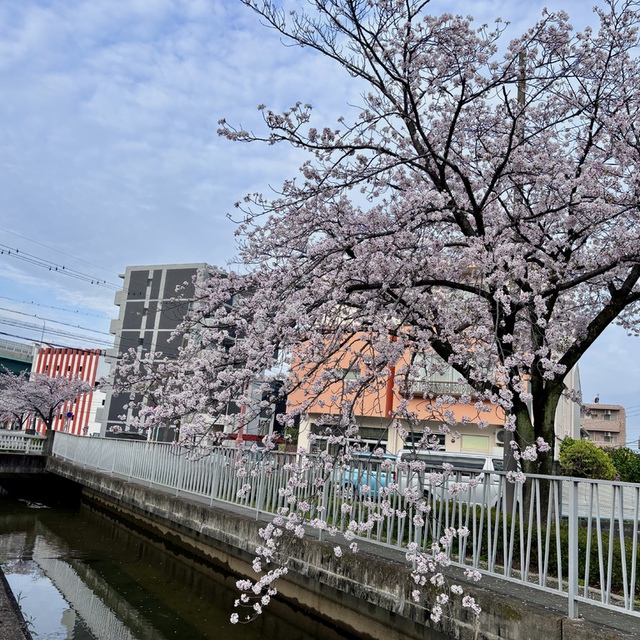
[
  {"x": 150, "y": 310},
  {"x": 15, "y": 357},
  {"x": 604, "y": 424},
  {"x": 78, "y": 417}
]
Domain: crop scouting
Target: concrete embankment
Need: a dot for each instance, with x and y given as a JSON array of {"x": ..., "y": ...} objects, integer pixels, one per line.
[{"x": 367, "y": 594}]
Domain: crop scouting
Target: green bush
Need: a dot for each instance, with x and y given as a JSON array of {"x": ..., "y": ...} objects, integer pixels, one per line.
[
  {"x": 582, "y": 459},
  {"x": 626, "y": 462}
]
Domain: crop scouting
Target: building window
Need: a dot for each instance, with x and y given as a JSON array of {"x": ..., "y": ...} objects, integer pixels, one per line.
[
  {"x": 475, "y": 443},
  {"x": 437, "y": 440}
]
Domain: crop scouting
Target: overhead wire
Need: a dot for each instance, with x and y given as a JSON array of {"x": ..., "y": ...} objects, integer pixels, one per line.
[
  {"x": 57, "y": 268},
  {"x": 66, "y": 324},
  {"x": 65, "y": 309},
  {"x": 28, "y": 326},
  {"x": 64, "y": 253},
  {"x": 49, "y": 342}
]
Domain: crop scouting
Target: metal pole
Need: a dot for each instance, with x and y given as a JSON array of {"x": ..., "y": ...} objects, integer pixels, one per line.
[{"x": 573, "y": 549}]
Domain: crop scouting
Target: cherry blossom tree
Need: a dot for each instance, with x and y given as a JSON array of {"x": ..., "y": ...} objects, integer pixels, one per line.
[
  {"x": 12, "y": 410},
  {"x": 38, "y": 395},
  {"x": 481, "y": 206}
]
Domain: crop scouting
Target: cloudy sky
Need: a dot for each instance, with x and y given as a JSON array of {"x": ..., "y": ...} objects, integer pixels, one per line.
[{"x": 109, "y": 155}]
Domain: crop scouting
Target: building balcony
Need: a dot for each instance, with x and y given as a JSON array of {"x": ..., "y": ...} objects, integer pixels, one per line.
[
  {"x": 115, "y": 326},
  {"x": 439, "y": 388}
]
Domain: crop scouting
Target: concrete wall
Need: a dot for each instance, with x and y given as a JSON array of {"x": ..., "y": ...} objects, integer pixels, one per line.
[
  {"x": 14, "y": 463},
  {"x": 367, "y": 594}
]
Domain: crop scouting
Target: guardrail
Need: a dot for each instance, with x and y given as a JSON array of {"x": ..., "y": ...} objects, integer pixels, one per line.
[
  {"x": 20, "y": 442},
  {"x": 572, "y": 537}
]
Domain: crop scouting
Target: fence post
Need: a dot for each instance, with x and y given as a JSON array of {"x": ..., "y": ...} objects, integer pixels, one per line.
[
  {"x": 324, "y": 505},
  {"x": 260, "y": 496},
  {"x": 180, "y": 479},
  {"x": 132, "y": 457},
  {"x": 217, "y": 463},
  {"x": 110, "y": 450},
  {"x": 573, "y": 549},
  {"x": 152, "y": 469},
  {"x": 75, "y": 449}
]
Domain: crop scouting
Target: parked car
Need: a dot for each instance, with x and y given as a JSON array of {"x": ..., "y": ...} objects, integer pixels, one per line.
[
  {"x": 471, "y": 477},
  {"x": 368, "y": 470}
]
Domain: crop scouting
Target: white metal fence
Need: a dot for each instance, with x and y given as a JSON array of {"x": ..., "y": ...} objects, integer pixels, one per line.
[
  {"x": 19, "y": 442},
  {"x": 577, "y": 538}
]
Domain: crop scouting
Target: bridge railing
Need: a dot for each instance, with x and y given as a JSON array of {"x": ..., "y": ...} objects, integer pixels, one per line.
[
  {"x": 20, "y": 442},
  {"x": 573, "y": 537}
]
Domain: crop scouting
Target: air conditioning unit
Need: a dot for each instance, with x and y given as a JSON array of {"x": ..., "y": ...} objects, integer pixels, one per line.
[{"x": 500, "y": 437}]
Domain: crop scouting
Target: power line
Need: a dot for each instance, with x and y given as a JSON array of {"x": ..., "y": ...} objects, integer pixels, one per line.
[
  {"x": 52, "y": 344},
  {"x": 65, "y": 309},
  {"x": 64, "y": 253},
  {"x": 66, "y": 324},
  {"x": 28, "y": 326},
  {"x": 53, "y": 267}
]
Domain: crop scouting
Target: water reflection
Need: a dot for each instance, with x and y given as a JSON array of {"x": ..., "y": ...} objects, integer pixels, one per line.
[
  {"x": 49, "y": 615},
  {"x": 81, "y": 575}
]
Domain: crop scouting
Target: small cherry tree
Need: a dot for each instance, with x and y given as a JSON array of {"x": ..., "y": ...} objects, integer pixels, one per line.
[{"x": 38, "y": 395}]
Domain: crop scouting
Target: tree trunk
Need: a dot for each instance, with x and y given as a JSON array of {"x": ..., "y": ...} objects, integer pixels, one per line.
[{"x": 539, "y": 423}]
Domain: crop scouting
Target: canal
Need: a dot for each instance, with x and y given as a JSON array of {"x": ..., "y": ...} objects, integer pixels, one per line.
[{"x": 81, "y": 574}]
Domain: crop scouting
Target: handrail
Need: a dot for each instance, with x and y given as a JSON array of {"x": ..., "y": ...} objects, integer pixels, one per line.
[
  {"x": 559, "y": 534},
  {"x": 20, "y": 442}
]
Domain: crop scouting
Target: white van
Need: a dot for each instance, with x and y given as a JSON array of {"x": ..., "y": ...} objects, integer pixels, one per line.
[{"x": 471, "y": 479}]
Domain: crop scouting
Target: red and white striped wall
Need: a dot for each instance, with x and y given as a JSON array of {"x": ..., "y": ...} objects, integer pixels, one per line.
[{"x": 72, "y": 363}]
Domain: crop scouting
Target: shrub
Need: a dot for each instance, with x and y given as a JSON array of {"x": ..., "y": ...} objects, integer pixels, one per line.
[
  {"x": 582, "y": 459},
  {"x": 626, "y": 462}
]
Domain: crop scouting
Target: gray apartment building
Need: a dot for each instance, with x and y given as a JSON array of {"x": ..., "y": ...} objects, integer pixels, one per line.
[{"x": 150, "y": 309}]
